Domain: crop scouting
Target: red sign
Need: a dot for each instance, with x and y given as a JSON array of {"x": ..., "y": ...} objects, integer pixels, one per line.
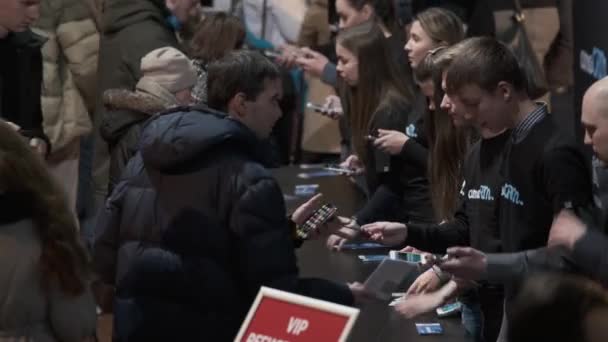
[{"x": 278, "y": 316}]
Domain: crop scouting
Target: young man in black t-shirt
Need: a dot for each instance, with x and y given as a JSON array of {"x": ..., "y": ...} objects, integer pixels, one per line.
[
  {"x": 474, "y": 223},
  {"x": 542, "y": 173},
  {"x": 545, "y": 173}
]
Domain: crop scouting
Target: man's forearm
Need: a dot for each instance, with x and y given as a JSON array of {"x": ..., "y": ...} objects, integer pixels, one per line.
[{"x": 507, "y": 268}]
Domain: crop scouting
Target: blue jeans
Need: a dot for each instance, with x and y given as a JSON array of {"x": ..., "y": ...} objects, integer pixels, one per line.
[{"x": 472, "y": 319}]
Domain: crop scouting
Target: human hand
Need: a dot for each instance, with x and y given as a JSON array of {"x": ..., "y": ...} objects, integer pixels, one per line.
[
  {"x": 411, "y": 306},
  {"x": 427, "y": 282},
  {"x": 465, "y": 262},
  {"x": 312, "y": 62},
  {"x": 390, "y": 142},
  {"x": 353, "y": 163},
  {"x": 303, "y": 212},
  {"x": 289, "y": 55},
  {"x": 566, "y": 230},
  {"x": 335, "y": 242},
  {"x": 387, "y": 233},
  {"x": 361, "y": 294},
  {"x": 332, "y": 107},
  {"x": 415, "y": 305}
]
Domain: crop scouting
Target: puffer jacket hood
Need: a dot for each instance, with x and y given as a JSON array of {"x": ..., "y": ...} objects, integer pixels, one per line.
[
  {"x": 119, "y": 14},
  {"x": 175, "y": 139}
]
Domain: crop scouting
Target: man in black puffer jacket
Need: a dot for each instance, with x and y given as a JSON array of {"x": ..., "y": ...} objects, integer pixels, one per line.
[{"x": 224, "y": 227}]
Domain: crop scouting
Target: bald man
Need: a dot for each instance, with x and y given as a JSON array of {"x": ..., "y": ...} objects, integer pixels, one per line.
[{"x": 589, "y": 246}]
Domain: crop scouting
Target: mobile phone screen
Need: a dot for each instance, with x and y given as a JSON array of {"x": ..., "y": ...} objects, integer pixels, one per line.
[{"x": 409, "y": 257}]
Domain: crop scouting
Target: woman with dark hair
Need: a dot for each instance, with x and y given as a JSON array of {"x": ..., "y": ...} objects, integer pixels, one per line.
[
  {"x": 374, "y": 99},
  {"x": 215, "y": 36},
  {"x": 44, "y": 276}
]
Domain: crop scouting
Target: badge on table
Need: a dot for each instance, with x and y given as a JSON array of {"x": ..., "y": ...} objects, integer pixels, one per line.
[
  {"x": 306, "y": 189},
  {"x": 282, "y": 316}
]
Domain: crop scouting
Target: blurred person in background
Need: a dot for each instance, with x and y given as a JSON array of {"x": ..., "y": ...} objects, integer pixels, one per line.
[
  {"x": 378, "y": 98},
  {"x": 278, "y": 23},
  {"x": 45, "y": 272},
  {"x": 167, "y": 79},
  {"x": 21, "y": 71},
  {"x": 69, "y": 84},
  {"x": 215, "y": 36},
  {"x": 131, "y": 29},
  {"x": 559, "y": 308},
  {"x": 315, "y": 29}
]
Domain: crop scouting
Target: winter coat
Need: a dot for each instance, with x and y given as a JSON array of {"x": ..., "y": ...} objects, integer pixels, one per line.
[
  {"x": 148, "y": 99},
  {"x": 69, "y": 69},
  {"x": 131, "y": 30},
  {"x": 20, "y": 80},
  {"x": 27, "y": 310},
  {"x": 126, "y": 224},
  {"x": 225, "y": 231}
]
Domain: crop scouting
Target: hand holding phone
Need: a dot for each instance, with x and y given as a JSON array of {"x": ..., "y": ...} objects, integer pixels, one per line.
[{"x": 317, "y": 219}]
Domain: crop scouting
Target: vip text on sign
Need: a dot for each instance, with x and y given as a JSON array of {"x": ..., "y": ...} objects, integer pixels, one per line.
[{"x": 278, "y": 316}]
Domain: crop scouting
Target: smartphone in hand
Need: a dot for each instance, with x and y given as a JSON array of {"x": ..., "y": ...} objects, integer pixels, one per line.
[{"x": 317, "y": 219}]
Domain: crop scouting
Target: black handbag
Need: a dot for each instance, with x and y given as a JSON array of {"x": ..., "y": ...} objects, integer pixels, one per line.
[{"x": 536, "y": 81}]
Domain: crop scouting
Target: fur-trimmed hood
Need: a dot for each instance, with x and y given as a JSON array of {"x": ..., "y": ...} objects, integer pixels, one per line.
[{"x": 123, "y": 99}]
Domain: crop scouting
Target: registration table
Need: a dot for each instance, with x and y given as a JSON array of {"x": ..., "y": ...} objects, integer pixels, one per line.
[{"x": 377, "y": 321}]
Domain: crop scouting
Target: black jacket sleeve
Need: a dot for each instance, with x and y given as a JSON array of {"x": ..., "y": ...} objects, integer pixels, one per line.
[
  {"x": 385, "y": 202},
  {"x": 264, "y": 247},
  {"x": 416, "y": 153},
  {"x": 565, "y": 178},
  {"x": 591, "y": 254},
  {"x": 437, "y": 238}
]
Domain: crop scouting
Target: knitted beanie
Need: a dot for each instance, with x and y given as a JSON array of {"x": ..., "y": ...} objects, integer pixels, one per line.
[{"x": 169, "y": 68}]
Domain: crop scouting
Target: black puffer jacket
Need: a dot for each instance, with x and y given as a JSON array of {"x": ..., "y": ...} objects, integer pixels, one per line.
[
  {"x": 126, "y": 225},
  {"x": 222, "y": 215}
]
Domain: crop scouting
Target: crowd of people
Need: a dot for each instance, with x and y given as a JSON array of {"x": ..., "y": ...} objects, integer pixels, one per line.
[{"x": 136, "y": 139}]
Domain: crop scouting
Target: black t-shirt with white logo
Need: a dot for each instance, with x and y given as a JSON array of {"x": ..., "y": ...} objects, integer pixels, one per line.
[
  {"x": 544, "y": 173},
  {"x": 481, "y": 192},
  {"x": 475, "y": 222}
]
